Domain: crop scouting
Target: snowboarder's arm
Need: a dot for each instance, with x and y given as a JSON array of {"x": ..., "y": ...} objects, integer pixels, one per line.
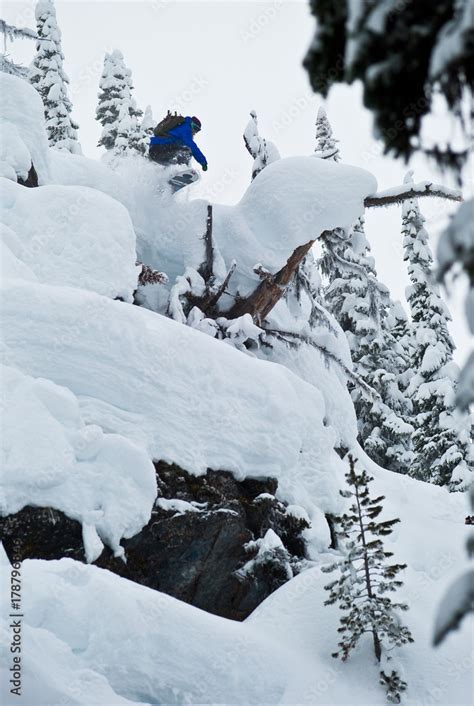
[
  {"x": 187, "y": 138},
  {"x": 197, "y": 154}
]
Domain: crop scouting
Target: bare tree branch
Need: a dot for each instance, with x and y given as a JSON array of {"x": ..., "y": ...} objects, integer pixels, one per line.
[
  {"x": 212, "y": 301},
  {"x": 399, "y": 194}
]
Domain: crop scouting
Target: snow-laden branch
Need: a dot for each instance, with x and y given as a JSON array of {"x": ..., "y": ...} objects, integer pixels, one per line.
[
  {"x": 13, "y": 32},
  {"x": 368, "y": 391},
  {"x": 404, "y": 192},
  {"x": 316, "y": 307}
]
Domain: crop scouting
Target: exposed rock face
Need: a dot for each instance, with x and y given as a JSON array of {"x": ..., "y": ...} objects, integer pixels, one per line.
[
  {"x": 31, "y": 180},
  {"x": 194, "y": 547}
]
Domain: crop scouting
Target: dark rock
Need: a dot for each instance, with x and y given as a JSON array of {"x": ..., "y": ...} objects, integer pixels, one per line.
[
  {"x": 44, "y": 533},
  {"x": 198, "y": 557},
  {"x": 31, "y": 180}
]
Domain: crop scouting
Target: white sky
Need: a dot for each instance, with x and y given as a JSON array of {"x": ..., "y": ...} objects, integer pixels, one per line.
[{"x": 218, "y": 60}]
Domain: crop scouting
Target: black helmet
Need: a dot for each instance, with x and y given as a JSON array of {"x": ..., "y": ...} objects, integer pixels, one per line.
[{"x": 196, "y": 122}]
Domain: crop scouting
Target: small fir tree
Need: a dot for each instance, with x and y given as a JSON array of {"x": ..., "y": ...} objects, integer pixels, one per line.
[
  {"x": 366, "y": 577},
  {"x": 47, "y": 75},
  {"x": 326, "y": 144}
]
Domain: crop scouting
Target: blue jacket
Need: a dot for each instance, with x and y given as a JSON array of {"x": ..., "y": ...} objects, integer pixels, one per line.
[{"x": 181, "y": 135}]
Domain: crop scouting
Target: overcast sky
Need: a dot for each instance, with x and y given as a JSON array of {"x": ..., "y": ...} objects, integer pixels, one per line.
[{"x": 218, "y": 60}]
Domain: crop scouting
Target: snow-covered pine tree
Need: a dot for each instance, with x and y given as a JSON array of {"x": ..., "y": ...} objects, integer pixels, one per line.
[
  {"x": 326, "y": 144},
  {"x": 335, "y": 242},
  {"x": 398, "y": 332},
  {"x": 148, "y": 122},
  {"x": 370, "y": 35},
  {"x": 307, "y": 279},
  {"x": 116, "y": 110},
  {"x": 263, "y": 151},
  {"x": 360, "y": 304},
  {"x": 10, "y": 32},
  {"x": 365, "y": 579},
  {"x": 140, "y": 141},
  {"x": 129, "y": 135},
  {"x": 441, "y": 441},
  {"x": 47, "y": 75},
  {"x": 400, "y": 326}
]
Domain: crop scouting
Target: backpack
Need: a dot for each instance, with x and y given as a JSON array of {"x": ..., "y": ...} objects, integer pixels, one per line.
[{"x": 168, "y": 123}]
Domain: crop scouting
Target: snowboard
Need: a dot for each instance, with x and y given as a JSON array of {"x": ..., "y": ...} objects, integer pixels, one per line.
[{"x": 181, "y": 179}]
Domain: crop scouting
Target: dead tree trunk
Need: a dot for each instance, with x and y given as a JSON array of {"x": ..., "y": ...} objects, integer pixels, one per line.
[
  {"x": 206, "y": 269},
  {"x": 270, "y": 290}
]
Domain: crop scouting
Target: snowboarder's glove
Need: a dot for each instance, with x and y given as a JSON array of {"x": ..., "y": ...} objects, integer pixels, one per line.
[{"x": 204, "y": 167}]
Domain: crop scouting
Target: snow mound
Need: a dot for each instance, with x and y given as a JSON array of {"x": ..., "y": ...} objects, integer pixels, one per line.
[
  {"x": 23, "y": 134},
  {"x": 10, "y": 256},
  {"x": 55, "y": 674},
  {"x": 76, "y": 170},
  {"x": 289, "y": 203},
  {"x": 52, "y": 458},
  {"x": 184, "y": 397},
  {"x": 90, "y": 614},
  {"x": 72, "y": 236}
]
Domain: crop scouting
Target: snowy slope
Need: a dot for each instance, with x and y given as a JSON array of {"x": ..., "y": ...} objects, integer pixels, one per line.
[
  {"x": 280, "y": 654},
  {"x": 179, "y": 394},
  {"x": 430, "y": 538},
  {"x": 96, "y": 614}
]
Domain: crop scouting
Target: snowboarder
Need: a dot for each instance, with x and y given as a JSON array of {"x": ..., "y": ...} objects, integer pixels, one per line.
[{"x": 173, "y": 143}]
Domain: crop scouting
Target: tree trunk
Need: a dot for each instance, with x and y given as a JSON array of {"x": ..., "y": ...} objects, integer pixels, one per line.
[
  {"x": 206, "y": 269},
  {"x": 377, "y": 645},
  {"x": 270, "y": 290}
]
